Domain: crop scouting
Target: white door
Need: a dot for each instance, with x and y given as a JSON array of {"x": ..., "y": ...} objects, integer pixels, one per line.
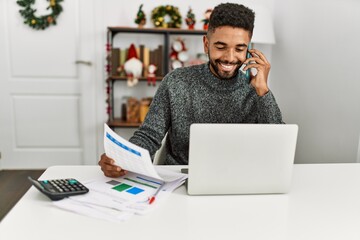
[{"x": 47, "y": 100}]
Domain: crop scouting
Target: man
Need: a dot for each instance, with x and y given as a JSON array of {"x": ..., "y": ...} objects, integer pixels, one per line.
[{"x": 216, "y": 92}]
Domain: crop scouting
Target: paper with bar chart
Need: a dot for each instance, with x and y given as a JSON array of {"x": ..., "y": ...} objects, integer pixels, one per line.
[
  {"x": 128, "y": 155},
  {"x": 130, "y": 188},
  {"x": 117, "y": 199}
]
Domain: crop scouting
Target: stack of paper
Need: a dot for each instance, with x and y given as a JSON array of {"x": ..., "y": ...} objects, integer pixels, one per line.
[{"x": 119, "y": 198}]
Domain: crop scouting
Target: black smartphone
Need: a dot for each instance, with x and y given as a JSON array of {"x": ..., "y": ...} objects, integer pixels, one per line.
[{"x": 247, "y": 72}]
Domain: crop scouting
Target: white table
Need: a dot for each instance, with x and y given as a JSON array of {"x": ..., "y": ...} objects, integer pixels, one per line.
[{"x": 324, "y": 203}]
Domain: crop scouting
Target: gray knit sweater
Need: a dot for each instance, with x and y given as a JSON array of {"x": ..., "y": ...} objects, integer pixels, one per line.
[{"x": 194, "y": 95}]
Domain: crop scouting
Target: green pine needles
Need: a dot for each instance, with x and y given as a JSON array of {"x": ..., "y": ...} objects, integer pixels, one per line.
[{"x": 39, "y": 22}]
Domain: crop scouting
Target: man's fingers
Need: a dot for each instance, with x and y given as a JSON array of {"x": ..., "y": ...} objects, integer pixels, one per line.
[
  {"x": 257, "y": 61},
  {"x": 258, "y": 54},
  {"x": 109, "y": 168},
  {"x": 252, "y": 65},
  {"x": 112, "y": 174},
  {"x": 106, "y": 160},
  {"x": 115, "y": 174}
]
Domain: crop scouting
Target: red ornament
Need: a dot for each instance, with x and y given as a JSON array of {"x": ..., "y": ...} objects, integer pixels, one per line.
[
  {"x": 207, "y": 18},
  {"x": 151, "y": 78},
  {"x": 178, "y": 53},
  {"x": 108, "y": 47},
  {"x": 107, "y": 67}
]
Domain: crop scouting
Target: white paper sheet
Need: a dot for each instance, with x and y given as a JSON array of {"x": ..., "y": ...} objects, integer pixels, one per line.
[
  {"x": 131, "y": 188},
  {"x": 128, "y": 155},
  {"x": 117, "y": 199},
  {"x": 93, "y": 210}
]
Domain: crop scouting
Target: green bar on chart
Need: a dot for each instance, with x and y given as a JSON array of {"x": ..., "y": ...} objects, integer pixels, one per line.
[{"x": 121, "y": 187}]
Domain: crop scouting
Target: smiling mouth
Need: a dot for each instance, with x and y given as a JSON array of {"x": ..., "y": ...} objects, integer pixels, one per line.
[{"x": 227, "y": 67}]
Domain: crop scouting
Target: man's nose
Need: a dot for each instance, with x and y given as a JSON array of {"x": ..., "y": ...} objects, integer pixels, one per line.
[{"x": 230, "y": 55}]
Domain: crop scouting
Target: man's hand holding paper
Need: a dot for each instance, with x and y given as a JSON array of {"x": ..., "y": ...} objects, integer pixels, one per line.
[
  {"x": 122, "y": 155},
  {"x": 109, "y": 168}
]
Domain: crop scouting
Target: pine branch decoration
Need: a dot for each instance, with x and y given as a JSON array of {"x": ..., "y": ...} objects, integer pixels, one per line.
[{"x": 39, "y": 22}]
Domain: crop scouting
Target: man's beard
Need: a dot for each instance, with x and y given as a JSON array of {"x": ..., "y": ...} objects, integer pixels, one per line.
[{"x": 224, "y": 74}]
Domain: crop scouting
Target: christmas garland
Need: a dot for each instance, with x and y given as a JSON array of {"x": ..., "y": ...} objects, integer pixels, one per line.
[
  {"x": 41, "y": 22},
  {"x": 158, "y": 16}
]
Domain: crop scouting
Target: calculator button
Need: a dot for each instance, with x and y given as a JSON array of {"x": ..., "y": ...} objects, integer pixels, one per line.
[{"x": 72, "y": 181}]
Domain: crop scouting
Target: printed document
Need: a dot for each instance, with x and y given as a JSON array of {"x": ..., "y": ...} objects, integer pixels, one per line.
[
  {"x": 117, "y": 199},
  {"x": 128, "y": 155}
]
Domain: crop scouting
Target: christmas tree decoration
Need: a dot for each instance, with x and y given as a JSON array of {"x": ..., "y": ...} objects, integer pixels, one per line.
[
  {"x": 179, "y": 54},
  {"x": 166, "y": 17},
  {"x": 207, "y": 18},
  {"x": 151, "y": 77},
  {"x": 108, "y": 57},
  {"x": 39, "y": 22},
  {"x": 190, "y": 19},
  {"x": 133, "y": 67},
  {"x": 108, "y": 47},
  {"x": 140, "y": 17},
  {"x": 108, "y": 68}
]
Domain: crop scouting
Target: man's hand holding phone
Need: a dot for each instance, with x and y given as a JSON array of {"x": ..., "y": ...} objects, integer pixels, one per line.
[{"x": 262, "y": 66}]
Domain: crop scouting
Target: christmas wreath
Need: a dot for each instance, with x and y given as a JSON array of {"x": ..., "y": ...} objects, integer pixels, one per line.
[
  {"x": 166, "y": 16},
  {"x": 39, "y": 22}
]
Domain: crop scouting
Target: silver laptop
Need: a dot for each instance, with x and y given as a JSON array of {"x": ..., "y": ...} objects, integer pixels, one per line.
[{"x": 241, "y": 158}]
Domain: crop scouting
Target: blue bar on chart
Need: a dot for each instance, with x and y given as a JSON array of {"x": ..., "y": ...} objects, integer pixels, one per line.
[
  {"x": 135, "y": 190},
  {"x": 122, "y": 145}
]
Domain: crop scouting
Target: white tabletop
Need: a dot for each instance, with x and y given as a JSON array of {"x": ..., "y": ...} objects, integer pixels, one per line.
[{"x": 324, "y": 203}]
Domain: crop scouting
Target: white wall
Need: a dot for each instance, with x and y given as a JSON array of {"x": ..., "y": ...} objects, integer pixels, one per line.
[{"x": 314, "y": 76}]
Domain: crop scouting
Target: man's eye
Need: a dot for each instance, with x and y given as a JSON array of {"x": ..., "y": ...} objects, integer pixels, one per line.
[{"x": 220, "y": 48}]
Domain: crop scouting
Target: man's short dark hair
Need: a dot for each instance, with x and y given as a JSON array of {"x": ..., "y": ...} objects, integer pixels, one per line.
[{"x": 233, "y": 15}]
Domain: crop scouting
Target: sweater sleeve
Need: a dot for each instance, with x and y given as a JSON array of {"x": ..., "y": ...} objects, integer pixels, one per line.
[
  {"x": 150, "y": 134},
  {"x": 268, "y": 110}
]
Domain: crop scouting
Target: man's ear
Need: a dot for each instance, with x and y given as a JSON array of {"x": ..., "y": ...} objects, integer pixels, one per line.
[{"x": 206, "y": 44}]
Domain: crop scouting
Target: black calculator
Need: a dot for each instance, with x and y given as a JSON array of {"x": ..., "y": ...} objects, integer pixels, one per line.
[{"x": 57, "y": 189}]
